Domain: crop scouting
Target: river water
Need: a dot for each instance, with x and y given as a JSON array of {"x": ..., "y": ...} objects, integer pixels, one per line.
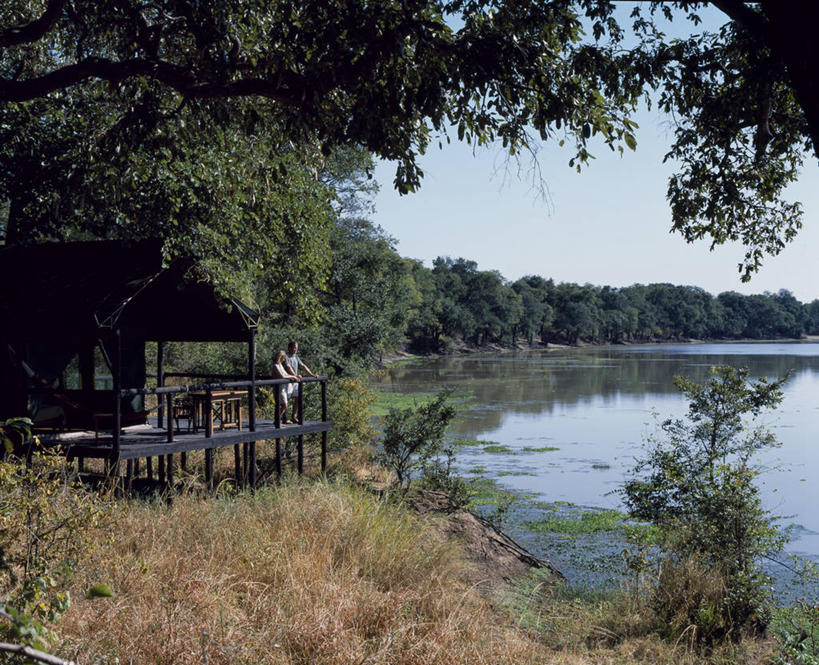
[{"x": 594, "y": 408}]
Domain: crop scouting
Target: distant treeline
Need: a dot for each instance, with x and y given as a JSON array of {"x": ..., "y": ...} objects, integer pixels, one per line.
[
  {"x": 375, "y": 301},
  {"x": 460, "y": 302}
]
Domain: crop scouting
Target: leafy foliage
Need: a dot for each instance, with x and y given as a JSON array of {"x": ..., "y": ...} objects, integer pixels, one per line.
[
  {"x": 415, "y": 436},
  {"x": 696, "y": 486},
  {"x": 47, "y": 523}
]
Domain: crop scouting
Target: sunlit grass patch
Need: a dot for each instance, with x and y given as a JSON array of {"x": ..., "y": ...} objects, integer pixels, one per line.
[{"x": 542, "y": 449}]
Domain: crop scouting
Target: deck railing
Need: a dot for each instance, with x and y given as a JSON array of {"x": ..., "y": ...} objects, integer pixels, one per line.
[{"x": 229, "y": 382}]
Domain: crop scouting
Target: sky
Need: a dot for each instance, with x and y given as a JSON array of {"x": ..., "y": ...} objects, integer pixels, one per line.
[{"x": 607, "y": 225}]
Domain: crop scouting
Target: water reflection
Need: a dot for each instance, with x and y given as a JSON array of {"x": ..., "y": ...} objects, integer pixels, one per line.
[{"x": 595, "y": 405}]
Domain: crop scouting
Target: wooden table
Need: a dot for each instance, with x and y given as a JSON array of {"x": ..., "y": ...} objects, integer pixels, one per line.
[{"x": 226, "y": 409}]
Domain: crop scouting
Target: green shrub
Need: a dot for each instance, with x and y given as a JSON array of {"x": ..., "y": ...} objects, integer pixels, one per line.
[
  {"x": 414, "y": 437},
  {"x": 696, "y": 485},
  {"x": 46, "y": 521}
]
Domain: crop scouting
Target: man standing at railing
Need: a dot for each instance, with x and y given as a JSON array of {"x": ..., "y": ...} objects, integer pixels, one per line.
[{"x": 294, "y": 364}]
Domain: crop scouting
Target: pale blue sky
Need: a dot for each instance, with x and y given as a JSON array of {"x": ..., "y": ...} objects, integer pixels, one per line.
[{"x": 607, "y": 225}]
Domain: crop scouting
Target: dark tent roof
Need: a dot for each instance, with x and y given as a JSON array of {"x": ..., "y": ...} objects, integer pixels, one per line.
[{"x": 73, "y": 292}]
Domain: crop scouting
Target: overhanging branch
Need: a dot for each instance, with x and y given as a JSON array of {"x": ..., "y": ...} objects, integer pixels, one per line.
[
  {"x": 31, "y": 32},
  {"x": 739, "y": 11},
  {"x": 174, "y": 76}
]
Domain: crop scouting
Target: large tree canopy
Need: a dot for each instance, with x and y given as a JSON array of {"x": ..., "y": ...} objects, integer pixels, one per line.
[{"x": 395, "y": 76}]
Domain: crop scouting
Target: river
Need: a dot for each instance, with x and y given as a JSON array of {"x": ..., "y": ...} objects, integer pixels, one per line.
[{"x": 567, "y": 424}]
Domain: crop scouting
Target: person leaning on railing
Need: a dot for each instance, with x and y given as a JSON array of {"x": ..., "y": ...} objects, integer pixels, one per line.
[
  {"x": 280, "y": 369},
  {"x": 294, "y": 364}
]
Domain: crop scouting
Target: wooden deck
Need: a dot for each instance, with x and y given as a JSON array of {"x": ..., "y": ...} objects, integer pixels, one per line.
[{"x": 150, "y": 441}]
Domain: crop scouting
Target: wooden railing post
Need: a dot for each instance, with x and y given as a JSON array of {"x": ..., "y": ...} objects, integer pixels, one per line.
[
  {"x": 324, "y": 420},
  {"x": 251, "y": 394},
  {"x": 170, "y": 416},
  {"x": 208, "y": 414},
  {"x": 300, "y": 461},
  {"x": 277, "y": 416}
]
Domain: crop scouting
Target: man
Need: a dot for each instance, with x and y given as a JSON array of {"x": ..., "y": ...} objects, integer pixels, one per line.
[{"x": 294, "y": 363}]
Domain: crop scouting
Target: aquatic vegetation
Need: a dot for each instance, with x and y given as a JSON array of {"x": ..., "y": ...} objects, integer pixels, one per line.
[
  {"x": 542, "y": 449},
  {"x": 499, "y": 448},
  {"x": 387, "y": 399},
  {"x": 590, "y": 521},
  {"x": 471, "y": 443}
]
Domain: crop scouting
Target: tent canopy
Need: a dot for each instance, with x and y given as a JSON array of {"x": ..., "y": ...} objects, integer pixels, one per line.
[{"x": 74, "y": 293}]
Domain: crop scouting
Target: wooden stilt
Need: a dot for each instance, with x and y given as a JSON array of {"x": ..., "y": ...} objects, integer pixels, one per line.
[
  {"x": 183, "y": 461},
  {"x": 301, "y": 454},
  {"x": 149, "y": 467},
  {"x": 169, "y": 472},
  {"x": 237, "y": 461},
  {"x": 324, "y": 420},
  {"x": 245, "y": 464},
  {"x": 253, "y": 465},
  {"x": 129, "y": 476},
  {"x": 160, "y": 469},
  {"x": 209, "y": 468},
  {"x": 279, "y": 458}
]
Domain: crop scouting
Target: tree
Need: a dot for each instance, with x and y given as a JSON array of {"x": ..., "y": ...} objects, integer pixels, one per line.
[
  {"x": 414, "y": 436},
  {"x": 386, "y": 75},
  {"x": 367, "y": 295},
  {"x": 696, "y": 486},
  {"x": 394, "y": 77}
]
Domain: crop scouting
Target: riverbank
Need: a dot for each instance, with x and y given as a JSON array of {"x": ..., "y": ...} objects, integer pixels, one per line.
[
  {"x": 325, "y": 572},
  {"x": 521, "y": 344}
]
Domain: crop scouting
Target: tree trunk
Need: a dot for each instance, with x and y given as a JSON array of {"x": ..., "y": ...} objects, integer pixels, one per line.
[{"x": 793, "y": 37}]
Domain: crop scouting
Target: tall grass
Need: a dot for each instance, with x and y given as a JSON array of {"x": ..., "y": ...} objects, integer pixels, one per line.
[{"x": 319, "y": 573}]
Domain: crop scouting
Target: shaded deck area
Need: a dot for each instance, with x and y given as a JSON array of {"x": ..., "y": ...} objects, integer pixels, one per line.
[{"x": 73, "y": 359}]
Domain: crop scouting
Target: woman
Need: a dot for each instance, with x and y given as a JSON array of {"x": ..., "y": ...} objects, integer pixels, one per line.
[{"x": 285, "y": 390}]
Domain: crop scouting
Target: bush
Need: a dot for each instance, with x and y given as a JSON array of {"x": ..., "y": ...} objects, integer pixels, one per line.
[
  {"x": 414, "y": 437},
  {"x": 696, "y": 485},
  {"x": 45, "y": 525},
  {"x": 348, "y": 407}
]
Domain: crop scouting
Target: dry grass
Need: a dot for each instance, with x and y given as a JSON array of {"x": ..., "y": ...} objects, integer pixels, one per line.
[{"x": 298, "y": 574}]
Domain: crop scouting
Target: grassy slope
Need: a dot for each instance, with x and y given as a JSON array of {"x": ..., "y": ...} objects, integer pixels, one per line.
[
  {"x": 317, "y": 573},
  {"x": 327, "y": 573}
]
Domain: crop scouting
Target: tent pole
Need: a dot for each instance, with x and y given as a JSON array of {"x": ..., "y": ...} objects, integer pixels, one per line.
[
  {"x": 117, "y": 380},
  {"x": 160, "y": 379}
]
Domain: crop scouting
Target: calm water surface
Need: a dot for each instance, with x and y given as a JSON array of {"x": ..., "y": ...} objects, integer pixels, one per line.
[{"x": 597, "y": 406}]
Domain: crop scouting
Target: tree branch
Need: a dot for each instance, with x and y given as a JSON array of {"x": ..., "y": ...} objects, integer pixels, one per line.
[
  {"x": 31, "y": 32},
  {"x": 33, "y": 654},
  {"x": 174, "y": 76},
  {"x": 739, "y": 11}
]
